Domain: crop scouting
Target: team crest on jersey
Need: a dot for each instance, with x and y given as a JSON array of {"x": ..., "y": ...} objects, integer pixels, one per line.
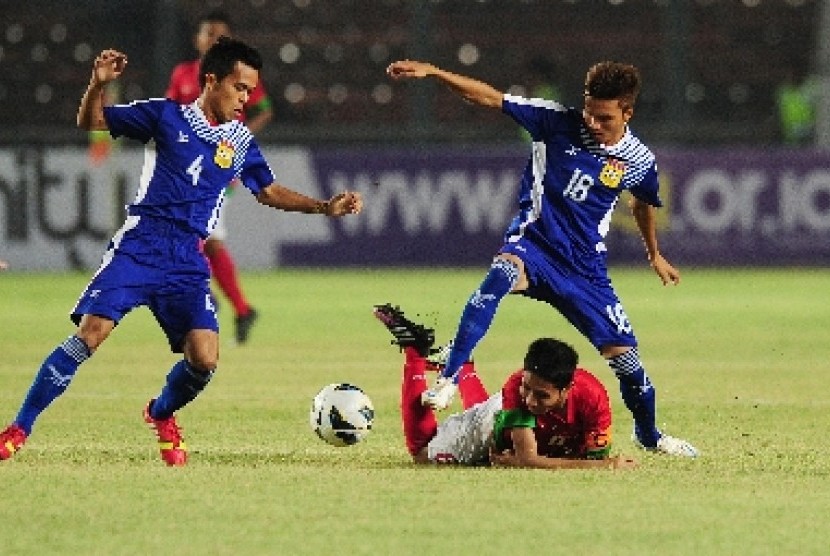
[
  {"x": 224, "y": 154},
  {"x": 612, "y": 173}
]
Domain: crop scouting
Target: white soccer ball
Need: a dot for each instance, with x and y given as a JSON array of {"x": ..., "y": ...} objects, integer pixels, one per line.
[{"x": 341, "y": 414}]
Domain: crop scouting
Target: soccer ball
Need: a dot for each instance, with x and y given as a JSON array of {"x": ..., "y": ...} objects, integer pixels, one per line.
[{"x": 341, "y": 414}]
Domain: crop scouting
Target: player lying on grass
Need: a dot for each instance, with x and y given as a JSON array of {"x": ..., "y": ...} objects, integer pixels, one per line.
[
  {"x": 549, "y": 414},
  {"x": 192, "y": 152}
]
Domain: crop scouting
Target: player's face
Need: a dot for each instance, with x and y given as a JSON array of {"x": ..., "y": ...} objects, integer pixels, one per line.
[
  {"x": 540, "y": 396},
  {"x": 208, "y": 33},
  {"x": 224, "y": 100},
  {"x": 606, "y": 119}
]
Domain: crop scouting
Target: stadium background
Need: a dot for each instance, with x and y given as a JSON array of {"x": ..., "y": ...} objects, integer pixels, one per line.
[
  {"x": 439, "y": 175},
  {"x": 739, "y": 356}
]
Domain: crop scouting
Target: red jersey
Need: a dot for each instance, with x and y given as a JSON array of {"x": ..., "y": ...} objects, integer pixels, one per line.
[
  {"x": 582, "y": 429},
  {"x": 184, "y": 87}
]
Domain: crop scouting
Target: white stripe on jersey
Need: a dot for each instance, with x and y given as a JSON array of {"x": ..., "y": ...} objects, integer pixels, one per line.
[
  {"x": 631, "y": 149},
  {"x": 130, "y": 223},
  {"x": 540, "y": 167},
  {"x": 234, "y": 131},
  {"x": 539, "y": 156},
  {"x": 214, "y": 214},
  {"x": 147, "y": 171},
  {"x": 538, "y": 102},
  {"x": 605, "y": 226}
]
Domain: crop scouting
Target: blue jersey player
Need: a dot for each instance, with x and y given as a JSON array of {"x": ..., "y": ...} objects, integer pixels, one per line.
[
  {"x": 554, "y": 249},
  {"x": 192, "y": 152}
]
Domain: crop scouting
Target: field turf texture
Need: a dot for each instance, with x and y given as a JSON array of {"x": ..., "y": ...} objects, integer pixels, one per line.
[{"x": 740, "y": 359}]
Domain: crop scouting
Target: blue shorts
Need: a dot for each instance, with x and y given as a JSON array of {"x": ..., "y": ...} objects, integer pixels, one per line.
[
  {"x": 589, "y": 303},
  {"x": 156, "y": 264}
]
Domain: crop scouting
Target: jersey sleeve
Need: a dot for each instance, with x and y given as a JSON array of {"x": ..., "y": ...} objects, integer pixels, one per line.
[
  {"x": 538, "y": 116},
  {"x": 595, "y": 412},
  {"x": 598, "y": 443},
  {"x": 647, "y": 189},
  {"x": 512, "y": 415},
  {"x": 256, "y": 174},
  {"x": 507, "y": 419},
  {"x": 136, "y": 120}
]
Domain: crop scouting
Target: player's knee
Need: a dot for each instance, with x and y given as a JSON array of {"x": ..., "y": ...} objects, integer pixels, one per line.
[
  {"x": 611, "y": 351},
  {"x": 201, "y": 350},
  {"x": 93, "y": 330},
  {"x": 203, "y": 365},
  {"x": 202, "y": 359},
  {"x": 513, "y": 267}
]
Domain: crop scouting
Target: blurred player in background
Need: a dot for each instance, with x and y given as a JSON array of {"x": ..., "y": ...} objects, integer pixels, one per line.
[
  {"x": 191, "y": 153},
  {"x": 549, "y": 414},
  {"x": 184, "y": 88},
  {"x": 101, "y": 143},
  {"x": 3, "y": 265},
  {"x": 554, "y": 250}
]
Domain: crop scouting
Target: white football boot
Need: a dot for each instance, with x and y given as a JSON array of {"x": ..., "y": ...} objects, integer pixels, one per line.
[
  {"x": 440, "y": 396},
  {"x": 669, "y": 445}
]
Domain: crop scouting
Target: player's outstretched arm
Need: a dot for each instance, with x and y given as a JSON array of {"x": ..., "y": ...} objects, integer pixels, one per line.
[
  {"x": 471, "y": 89},
  {"x": 524, "y": 454},
  {"x": 108, "y": 66},
  {"x": 280, "y": 197},
  {"x": 644, "y": 215}
]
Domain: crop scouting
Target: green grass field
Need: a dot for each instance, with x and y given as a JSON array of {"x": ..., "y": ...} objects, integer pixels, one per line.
[{"x": 740, "y": 359}]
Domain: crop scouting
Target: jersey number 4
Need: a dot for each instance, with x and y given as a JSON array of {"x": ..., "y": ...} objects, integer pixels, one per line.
[{"x": 195, "y": 169}]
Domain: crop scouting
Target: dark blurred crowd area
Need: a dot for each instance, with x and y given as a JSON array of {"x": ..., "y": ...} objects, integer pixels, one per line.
[{"x": 716, "y": 72}]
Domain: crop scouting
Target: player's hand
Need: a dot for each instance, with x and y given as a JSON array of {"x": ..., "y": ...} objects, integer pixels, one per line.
[
  {"x": 108, "y": 66},
  {"x": 504, "y": 458},
  {"x": 349, "y": 202},
  {"x": 667, "y": 273},
  {"x": 409, "y": 69}
]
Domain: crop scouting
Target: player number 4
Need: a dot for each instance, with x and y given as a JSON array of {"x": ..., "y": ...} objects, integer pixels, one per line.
[
  {"x": 195, "y": 169},
  {"x": 209, "y": 303}
]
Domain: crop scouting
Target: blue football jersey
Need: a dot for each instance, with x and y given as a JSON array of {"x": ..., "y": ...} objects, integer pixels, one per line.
[
  {"x": 188, "y": 162},
  {"x": 572, "y": 183}
]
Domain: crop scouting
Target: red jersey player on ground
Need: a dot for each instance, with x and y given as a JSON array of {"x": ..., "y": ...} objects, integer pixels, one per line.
[
  {"x": 549, "y": 414},
  {"x": 185, "y": 88}
]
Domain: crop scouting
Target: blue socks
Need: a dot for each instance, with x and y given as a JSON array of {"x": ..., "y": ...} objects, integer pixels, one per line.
[
  {"x": 184, "y": 383},
  {"x": 52, "y": 380},
  {"x": 479, "y": 312},
  {"x": 638, "y": 395}
]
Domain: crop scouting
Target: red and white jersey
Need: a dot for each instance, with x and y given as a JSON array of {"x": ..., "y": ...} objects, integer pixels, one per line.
[{"x": 582, "y": 429}]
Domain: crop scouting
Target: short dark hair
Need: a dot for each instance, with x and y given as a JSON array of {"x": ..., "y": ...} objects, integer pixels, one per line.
[
  {"x": 223, "y": 55},
  {"x": 216, "y": 16},
  {"x": 613, "y": 80},
  {"x": 552, "y": 360}
]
